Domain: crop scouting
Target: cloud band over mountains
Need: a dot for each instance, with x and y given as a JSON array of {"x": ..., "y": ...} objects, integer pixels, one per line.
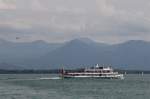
[{"x": 109, "y": 21}]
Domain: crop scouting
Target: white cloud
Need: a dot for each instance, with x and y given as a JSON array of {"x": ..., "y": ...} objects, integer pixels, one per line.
[
  {"x": 7, "y": 4},
  {"x": 56, "y": 20},
  {"x": 105, "y": 8}
]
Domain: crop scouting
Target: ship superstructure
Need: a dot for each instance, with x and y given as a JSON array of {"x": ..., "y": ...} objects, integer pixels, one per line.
[{"x": 94, "y": 72}]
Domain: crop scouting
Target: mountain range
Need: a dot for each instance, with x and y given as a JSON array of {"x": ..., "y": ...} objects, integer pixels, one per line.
[{"x": 77, "y": 53}]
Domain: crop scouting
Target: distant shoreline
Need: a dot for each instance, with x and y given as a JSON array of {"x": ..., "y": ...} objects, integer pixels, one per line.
[{"x": 57, "y": 71}]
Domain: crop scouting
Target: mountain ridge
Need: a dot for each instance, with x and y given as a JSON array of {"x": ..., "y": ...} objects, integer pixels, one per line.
[{"x": 79, "y": 52}]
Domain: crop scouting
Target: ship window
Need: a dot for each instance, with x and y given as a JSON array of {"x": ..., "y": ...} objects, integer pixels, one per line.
[{"x": 100, "y": 67}]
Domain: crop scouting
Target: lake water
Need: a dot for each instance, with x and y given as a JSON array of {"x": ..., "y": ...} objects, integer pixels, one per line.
[{"x": 37, "y": 86}]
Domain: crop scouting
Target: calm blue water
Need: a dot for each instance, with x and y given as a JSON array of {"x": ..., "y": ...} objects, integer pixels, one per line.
[{"x": 33, "y": 87}]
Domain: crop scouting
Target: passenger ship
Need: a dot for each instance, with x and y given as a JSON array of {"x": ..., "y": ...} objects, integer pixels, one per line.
[{"x": 93, "y": 72}]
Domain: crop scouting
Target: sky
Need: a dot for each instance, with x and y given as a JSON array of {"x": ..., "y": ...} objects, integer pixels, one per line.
[{"x": 109, "y": 21}]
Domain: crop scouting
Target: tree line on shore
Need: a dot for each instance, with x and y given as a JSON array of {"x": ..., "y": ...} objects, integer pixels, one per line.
[{"x": 57, "y": 71}]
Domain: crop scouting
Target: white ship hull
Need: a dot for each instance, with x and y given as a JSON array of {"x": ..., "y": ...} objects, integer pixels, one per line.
[
  {"x": 119, "y": 76},
  {"x": 96, "y": 72}
]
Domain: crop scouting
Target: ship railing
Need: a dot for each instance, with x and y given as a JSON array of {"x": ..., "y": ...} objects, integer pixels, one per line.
[{"x": 91, "y": 73}]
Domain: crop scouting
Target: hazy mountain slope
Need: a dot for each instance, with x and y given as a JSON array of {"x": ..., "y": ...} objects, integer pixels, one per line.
[
  {"x": 134, "y": 54},
  {"x": 76, "y": 53},
  {"x": 6, "y": 66},
  {"x": 11, "y": 52}
]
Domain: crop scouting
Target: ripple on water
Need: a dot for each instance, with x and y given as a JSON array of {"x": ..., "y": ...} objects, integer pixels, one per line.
[{"x": 31, "y": 87}]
